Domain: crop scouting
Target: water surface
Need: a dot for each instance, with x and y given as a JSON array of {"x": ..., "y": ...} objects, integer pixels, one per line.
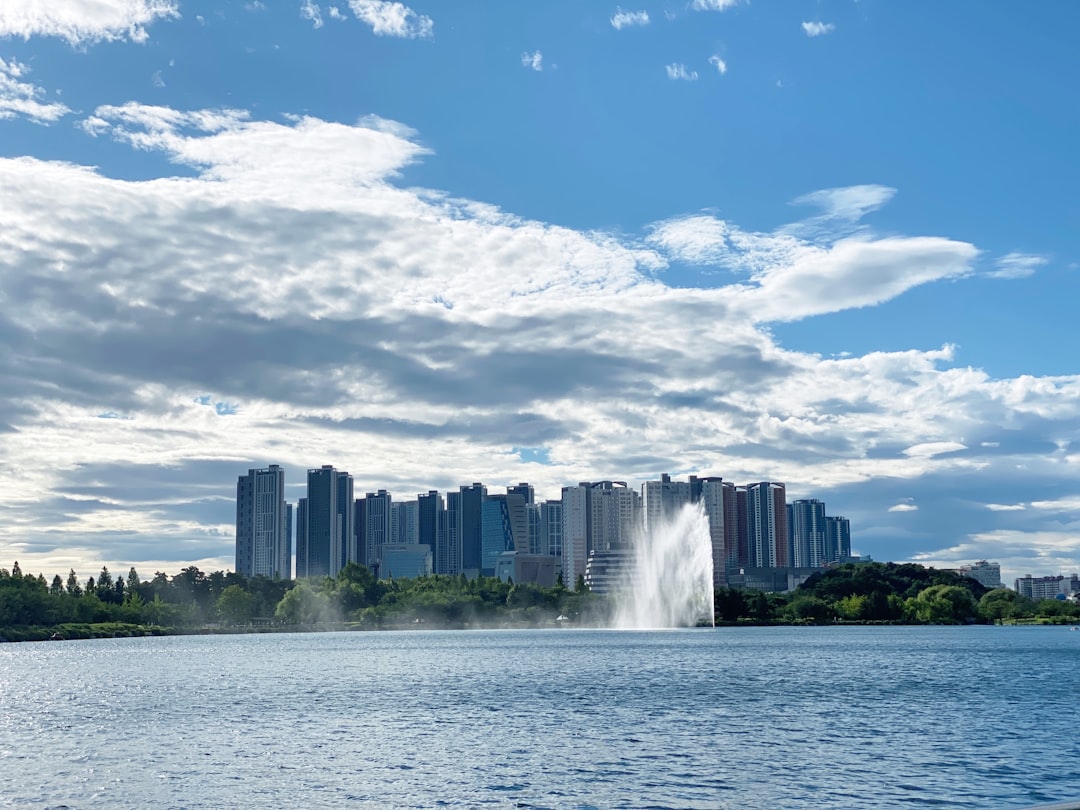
[{"x": 870, "y": 717}]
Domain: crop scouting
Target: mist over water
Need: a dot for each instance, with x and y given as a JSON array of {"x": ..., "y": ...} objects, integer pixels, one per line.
[{"x": 672, "y": 581}]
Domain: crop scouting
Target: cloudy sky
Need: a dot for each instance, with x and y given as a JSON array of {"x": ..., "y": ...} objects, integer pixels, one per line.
[{"x": 829, "y": 243}]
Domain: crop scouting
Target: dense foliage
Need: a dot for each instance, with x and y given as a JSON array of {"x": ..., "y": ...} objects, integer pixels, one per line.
[
  {"x": 889, "y": 592},
  {"x": 33, "y": 608}
]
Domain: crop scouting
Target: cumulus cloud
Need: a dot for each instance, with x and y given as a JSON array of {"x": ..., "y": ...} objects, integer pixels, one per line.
[
  {"x": 679, "y": 72},
  {"x": 19, "y": 98},
  {"x": 624, "y": 19},
  {"x": 791, "y": 277},
  {"x": 393, "y": 19},
  {"x": 310, "y": 11},
  {"x": 286, "y": 301},
  {"x": 1017, "y": 265},
  {"x": 1006, "y": 507},
  {"x": 80, "y": 22},
  {"x": 533, "y": 60},
  {"x": 817, "y": 29},
  {"x": 931, "y": 449},
  {"x": 713, "y": 5},
  {"x": 718, "y": 63}
]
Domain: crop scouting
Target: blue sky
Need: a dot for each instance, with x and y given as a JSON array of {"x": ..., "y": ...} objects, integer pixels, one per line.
[{"x": 829, "y": 243}]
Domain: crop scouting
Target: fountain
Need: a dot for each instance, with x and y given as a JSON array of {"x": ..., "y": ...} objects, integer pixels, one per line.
[{"x": 672, "y": 581}]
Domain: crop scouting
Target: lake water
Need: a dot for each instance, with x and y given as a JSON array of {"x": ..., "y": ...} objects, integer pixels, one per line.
[{"x": 852, "y": 717}]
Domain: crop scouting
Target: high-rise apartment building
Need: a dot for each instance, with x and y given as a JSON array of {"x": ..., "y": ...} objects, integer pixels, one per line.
[
  {"x": 450, "y": 562},
  {"x": 430, "y": 527},
  {"x": 837, "y": 539},
  {"x": 717, "y": 497},
  {"x": 378, "y": 512},
  {"x": 661, "y": 500},
  {"x": 807, "y": 533},
  {"x": 328, "y": 534},
  {"x": 551, "y": 528},
  {"x": 766, "y": 523},
  {"x": 263, "y": 524},
  {"x": 470, "y": 517}
]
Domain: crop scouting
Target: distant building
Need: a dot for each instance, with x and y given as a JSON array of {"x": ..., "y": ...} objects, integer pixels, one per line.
[
  {"x": 766, "y": 523},
  {"x": 470, "y": 528},
  {"x": 983, "y": 572},
  {"x": 404, "y": 561},
  {"x": 328, "y": 536},
  {"x": 378, "y": 531},
  {"x": 532, "y": 569},
  {"x": 504, "y": 527},
  {"x": 611, "y": 570},
  {"x": 807, "y": 533},
  {"x": 263, "y": 524},
  {"x": 1042, "y": 587},
  {"x": 431, "y": 528},
  {"x": 769, "y": 580},
  {"x": 837, "y": 539}
]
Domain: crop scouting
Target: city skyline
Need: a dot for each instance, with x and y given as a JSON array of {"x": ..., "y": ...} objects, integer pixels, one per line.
[{"x": 831, "y": 244}]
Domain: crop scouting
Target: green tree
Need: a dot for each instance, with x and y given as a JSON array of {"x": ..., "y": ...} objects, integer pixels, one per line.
[
  {"x": 303, "y": 605},
  {"x": 73, "y": 587},
  {"x": 1003, "y": 603},
  {"x": 945, "y": 604},
  {"x": 235, "y": 605}
]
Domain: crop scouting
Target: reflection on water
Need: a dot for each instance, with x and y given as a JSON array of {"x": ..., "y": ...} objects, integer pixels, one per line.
[{"x": 729, "y": 718}]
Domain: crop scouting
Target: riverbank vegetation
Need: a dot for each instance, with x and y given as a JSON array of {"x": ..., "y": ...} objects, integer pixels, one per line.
[{"x": 32, "y": 608}]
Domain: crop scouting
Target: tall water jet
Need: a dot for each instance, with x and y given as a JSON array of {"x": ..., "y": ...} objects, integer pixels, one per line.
[{"x": 671, "y": 584}]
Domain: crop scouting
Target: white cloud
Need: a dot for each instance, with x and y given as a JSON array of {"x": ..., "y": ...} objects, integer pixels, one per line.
[
  {"x": 624, "y": 19},
  {"x": 718, "y": 63},
  {"x": 849, "y": 202},
  {"x": 1006, "y": 507},
  {"x": 335, "y": 13},
  {"x": 931, "y": 449},
  {"x": 393, "y": 19},
  {"x": 81, "y": 22},
  {"x": 1017, "y": 265},
  {"x": 310, "y": 10},
  {"x": 534, "y": 60},
  {"x": 418, "y": 339},
  {"x": 157, "y": 79},
  {"x": 713, "y": 5},
  {"x": 19, "y": 98},
  {"x": 791, "y": 278},
  {"x": 817, "y": 29},
  {"x": 677, "y": 71},
  {"x": 904, "y": 506}
]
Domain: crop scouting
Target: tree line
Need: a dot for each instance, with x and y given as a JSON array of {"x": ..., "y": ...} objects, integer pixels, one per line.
[{"x": 32, "y": 607}]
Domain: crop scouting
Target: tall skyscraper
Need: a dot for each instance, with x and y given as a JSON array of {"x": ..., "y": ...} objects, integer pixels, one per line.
[
  {"x": 575, "y": 533},
  {"x": 551, "y": 526},
  {"x": 807, "y": 528},
  {"x": 718, "y": 499},
  {"x": 504, "y": 527},
  {"x": 450, "y": 563},
  {"x": 430, "y": 523},
  {"x": 596, "y": 516},
  {"x": 263, "y": 537},
  {"x": 329, "y": 535},
  {"x": 301, "y": 539},
  {"x": 767, "y": 532},
  {"x": 378, "y": 510},
  {"x": 470, "y": 519},
  {"x": 837, "y": 539},
  {"x": 661, "y": 500}
]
